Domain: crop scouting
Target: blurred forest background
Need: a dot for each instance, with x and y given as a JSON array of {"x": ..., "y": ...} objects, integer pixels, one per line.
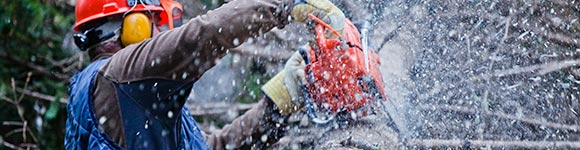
[
  {"x": 37, "y": 60},
  {"x": 460, "y": 74},
  {"x": 37, "y": 63}
]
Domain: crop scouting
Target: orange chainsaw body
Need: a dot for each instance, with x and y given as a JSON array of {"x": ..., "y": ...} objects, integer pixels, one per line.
[{"x": 337, "y": 70}]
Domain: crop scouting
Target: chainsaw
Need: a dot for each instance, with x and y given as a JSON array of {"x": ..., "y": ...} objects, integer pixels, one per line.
[{"x": 343, "y": 75}]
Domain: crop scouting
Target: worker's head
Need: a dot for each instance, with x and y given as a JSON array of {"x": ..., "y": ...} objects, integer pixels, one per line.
[{"x": 122, "y": 22}]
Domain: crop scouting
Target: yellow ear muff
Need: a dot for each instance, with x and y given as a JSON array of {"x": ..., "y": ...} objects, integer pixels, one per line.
[{"x": 136, "y": 28}]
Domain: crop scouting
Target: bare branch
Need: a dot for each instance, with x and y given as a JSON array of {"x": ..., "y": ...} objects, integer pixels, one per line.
[
  {"x": 12, "y": 123},
  {"x": 357, "y": 143},
  {"x": 539, "y": 69},
  {"x": 495, "y": 144},
  {"x": 502, "y": 115},
  {"x": 20, "y": 109},
  {"x": 24, "y": 127},
  {"x": 218, "y": 108},
  {"x": 14, "y": 131},
  {"x": 29, "y": 145},
  {"x": 25, "y": 86},
  {"x": 13, "y": 84},
  {"x": 9, "y": 145},
  {"x": 62, "y": 64},
  {"x": 7, "y": 99},
  {"x": 36, "y": 68},
  {"x": 42, "y": 96},
  {"x": 556, "y": 37}
]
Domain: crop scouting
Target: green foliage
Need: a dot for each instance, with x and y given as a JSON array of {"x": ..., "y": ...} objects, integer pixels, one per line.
[
  {"x": 52, "y": 111},
  {"x": 252, "y": 92},
  {"x": 31, "y": 38},
  {"x": 253, "y": 82}
]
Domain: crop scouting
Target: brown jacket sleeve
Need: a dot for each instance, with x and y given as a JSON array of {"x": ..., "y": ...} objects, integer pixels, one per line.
[
  {"x": 258, "y": 128},
  {"x": 185, "y": 53}
]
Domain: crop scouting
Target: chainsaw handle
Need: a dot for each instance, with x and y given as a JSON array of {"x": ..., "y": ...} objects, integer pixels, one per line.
[
  {"x": 306, "y": 56},
  {"x": 319, "y": 32},
  {"x": 320, "y": 28},
  {"x": 321, "y": 24}
]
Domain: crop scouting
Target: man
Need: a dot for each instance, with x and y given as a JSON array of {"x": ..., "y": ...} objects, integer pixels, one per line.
[{"x": 132, "y": 94}]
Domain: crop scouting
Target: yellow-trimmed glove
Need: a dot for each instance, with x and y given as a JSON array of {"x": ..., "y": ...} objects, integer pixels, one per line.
[
  {"x": 322, "y": 9},
  {"x": 284, "y": 88}
]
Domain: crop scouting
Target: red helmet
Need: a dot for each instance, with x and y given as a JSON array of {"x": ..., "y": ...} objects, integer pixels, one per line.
[{"x": 89, "y": 10}]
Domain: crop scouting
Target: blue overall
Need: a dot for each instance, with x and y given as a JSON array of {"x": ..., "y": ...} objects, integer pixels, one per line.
[{"x": 149, "y": 110}]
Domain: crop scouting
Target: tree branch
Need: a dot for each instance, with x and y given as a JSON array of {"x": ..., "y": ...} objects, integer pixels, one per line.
[
  {"x": 12, "y": 123},
  {"x": 9, "y": 145},
  {"x": 539, "y": 69},
  {"x": 501, "y": 115},
  {"x": 556, "y": 37},
  {"x": 216, "y": 108},
  {"x": 36, "y": 68},
  {"x": 62, "y": 64},
  {"x": 42, "y": 96},
  {"x": 20, "y": 109},
  {"x": 426, "y": 143}
]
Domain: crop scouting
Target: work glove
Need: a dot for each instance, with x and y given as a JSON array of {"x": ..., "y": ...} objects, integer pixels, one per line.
[
  {"x": 284, "y": 89},
  {"x": 322, "y": 9}
]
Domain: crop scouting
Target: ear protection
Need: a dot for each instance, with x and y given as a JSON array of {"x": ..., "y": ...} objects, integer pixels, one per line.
[{"x": 136, "y": 28}]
